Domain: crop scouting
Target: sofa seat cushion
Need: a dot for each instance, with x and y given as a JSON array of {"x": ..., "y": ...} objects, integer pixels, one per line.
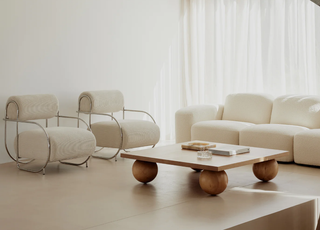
[
  {"x": 221, "y": 131},
  {"x": 136, "y": 133},
  {"x": 65, "y": 143},
  {"x": 273, "y": 136},
  {"x": 306, "y": 147}
]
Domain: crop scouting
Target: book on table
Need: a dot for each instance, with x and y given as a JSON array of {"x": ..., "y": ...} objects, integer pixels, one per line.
[
  {"x": 229, "y": 150},
  {"x": 198, "y": 145}
]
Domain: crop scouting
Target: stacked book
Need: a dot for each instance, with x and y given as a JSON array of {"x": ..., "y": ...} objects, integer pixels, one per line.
[{"x": 229, "y": 150}]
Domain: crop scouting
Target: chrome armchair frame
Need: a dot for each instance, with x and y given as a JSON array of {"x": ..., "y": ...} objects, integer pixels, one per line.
[
  {"x": 90, "y": 113},
  {"x": 18, "y": 158}
]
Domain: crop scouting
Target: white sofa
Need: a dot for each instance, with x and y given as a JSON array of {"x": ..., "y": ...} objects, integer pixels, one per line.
[{"x": 289, "y": 122}]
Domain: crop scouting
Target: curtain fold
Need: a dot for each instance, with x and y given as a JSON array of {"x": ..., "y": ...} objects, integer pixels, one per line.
[{"x": 252, "y": 46}]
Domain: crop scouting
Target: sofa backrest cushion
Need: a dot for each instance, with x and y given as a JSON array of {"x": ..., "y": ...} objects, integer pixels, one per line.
[
  {"x": 301, "y": 110},
  {"x": 248, "y": 107}
]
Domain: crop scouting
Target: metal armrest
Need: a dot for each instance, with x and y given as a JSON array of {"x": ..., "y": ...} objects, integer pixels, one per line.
[
  {"x": 17, "y": 135},
  {"x": 70, "y": 117},
  {"x": 120, "y": 128},
  {"x": 138, "y": 111},
  {"x": 100, "y": 114}
]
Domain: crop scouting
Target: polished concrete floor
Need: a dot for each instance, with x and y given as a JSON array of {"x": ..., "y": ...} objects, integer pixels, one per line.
[{"x": 106, "y": 196}]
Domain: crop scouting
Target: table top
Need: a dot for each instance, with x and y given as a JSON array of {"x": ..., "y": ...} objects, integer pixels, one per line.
[{"x": 175, "y": 155}]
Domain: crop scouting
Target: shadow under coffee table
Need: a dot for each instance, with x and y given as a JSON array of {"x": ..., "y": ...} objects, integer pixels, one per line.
[{"x": 213, "y": 178}]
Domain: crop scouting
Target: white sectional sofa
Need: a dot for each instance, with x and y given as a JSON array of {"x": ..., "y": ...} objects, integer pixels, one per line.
[{"x": 289, "y": 122}]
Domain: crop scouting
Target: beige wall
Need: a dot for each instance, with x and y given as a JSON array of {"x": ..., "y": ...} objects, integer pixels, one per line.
[{"x": 67, "y": 46}]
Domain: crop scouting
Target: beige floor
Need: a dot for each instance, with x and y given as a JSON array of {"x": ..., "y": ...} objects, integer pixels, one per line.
[{"x": 106, "y": 196}]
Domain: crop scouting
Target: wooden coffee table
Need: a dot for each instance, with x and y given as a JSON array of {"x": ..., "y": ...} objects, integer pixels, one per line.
[{"x": 213, "y": 178}]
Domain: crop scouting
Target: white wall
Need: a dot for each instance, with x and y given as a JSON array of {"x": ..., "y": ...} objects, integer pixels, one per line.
[{"x": 67, "y": 46}]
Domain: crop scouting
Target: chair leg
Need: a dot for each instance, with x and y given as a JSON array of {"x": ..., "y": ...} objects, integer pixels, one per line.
[
  {"x": 108, "y": 158},
  {"x": 43, "y": 169},
  {"x": 76, "y": 164}
]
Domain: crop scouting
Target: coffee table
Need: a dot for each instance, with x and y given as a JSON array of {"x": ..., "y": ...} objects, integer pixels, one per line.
[{"x": 213, "y": 178}]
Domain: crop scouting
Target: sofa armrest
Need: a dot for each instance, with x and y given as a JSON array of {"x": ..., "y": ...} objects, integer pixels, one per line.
[{"x": 190, "y": 115}]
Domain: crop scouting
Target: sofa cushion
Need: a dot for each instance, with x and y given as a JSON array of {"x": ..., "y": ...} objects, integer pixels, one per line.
[
  {"x": 188, "y": 116},
  {"x": 218, "y": 131},
  {"x": 273, "y": 136},
  {"x": 297, "y": 110},
  {"x": 306, "y": 147},
  {"x": 252, "y": 108}
]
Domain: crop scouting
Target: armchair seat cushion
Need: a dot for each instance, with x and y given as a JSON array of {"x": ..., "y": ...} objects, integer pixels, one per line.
[
  {"x": 136, "y": 133},
  {"x": 306, "y": 147},
  {"x": 273, "y": 136},
  {"x": 221, "y": 131},
  {"x": 66, "y": 143}
]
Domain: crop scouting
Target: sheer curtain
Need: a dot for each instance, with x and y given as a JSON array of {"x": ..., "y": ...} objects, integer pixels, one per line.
[
  {"x": 267, "y": 46},
  {"x": 229, "y": 46}
]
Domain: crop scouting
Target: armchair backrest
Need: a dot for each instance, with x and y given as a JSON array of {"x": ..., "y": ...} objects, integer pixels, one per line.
[
  {"x": 301, "y": 110},
  {"x": 248, "y": 107},
  {"x": 32, "y": 107},
  {"x": 103, "y": 101}
]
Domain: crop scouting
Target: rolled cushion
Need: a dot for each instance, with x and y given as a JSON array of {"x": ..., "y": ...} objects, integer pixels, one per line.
[
  {"x": 102, "y": 101},
  {"x": 32, "y": 107},
  {"x": 248, "y": 107},
  {"x": 273, "y": 136},
  {"x": 136, "y": 133},
  {"x": 218, "y": 131},
  {"x": 66, "y": 143},
  {"x": 301, "y": 110},
  {"x": 306, "y": 147}
]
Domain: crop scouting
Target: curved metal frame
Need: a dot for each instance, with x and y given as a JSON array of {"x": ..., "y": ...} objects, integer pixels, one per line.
[
  {"x": 17, "y": 135},
  {"x": 112, "y": 118},
  {"x": 17, "y": 160},
  {"x": 101, "y": 114},
  {"x": 140, "y": 111},
  {"x": 121, "y": 136},
  {"x": 78, "y": 119}
]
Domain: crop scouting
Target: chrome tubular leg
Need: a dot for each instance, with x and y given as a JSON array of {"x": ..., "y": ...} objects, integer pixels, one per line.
[
  {"x": 78, "y": 122},
  {"x": 77, "y": 164},
  {"x": 108, "y": 158}
]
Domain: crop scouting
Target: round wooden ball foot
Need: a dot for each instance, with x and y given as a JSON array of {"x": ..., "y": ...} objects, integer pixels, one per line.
[
  {"x": 213, "y": 182},
  {"x": 266, "y": 170},
  {"x": 144, "y": 171}
]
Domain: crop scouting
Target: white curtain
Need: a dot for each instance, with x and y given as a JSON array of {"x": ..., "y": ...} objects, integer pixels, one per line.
[
  {"x": 267, "y": 46},
  {"x": 230, "y": 46}
]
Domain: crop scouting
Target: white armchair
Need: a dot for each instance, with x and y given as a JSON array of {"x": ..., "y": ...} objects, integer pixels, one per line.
[
  {"x": 120, "y": 134},
  {"x": 37, "y": 147}
]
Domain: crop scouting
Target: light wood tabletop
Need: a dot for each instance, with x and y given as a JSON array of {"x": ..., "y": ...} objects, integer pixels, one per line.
[
  {"x": 175, "y": 155},
  {"x": 213, "y": 179}
]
